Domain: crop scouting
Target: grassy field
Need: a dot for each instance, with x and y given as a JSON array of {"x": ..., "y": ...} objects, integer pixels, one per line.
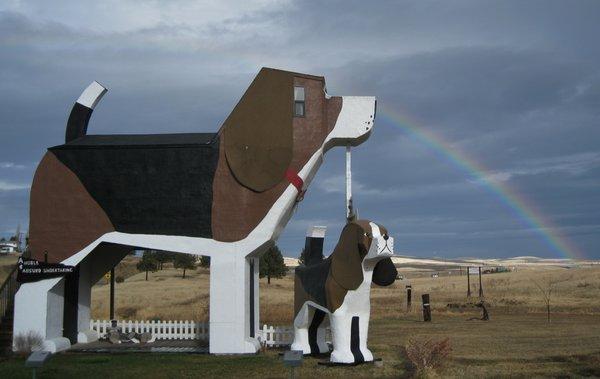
[
  {"x": 508, "y": 345},
  {"x": 167, "y": 296},
  {"x": 516, "y": 342}
]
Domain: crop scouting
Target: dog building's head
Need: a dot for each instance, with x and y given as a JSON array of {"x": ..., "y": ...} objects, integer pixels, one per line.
[
  {"x": 363, "y": 246},
  {"x": 282, "y": 119}
]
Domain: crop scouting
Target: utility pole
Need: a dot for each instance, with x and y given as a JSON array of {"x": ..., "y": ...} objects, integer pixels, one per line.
[{"x": 112, "y": 293}]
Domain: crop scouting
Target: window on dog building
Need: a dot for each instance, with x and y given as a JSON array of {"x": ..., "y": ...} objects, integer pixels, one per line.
[{"x": 299, "y": 102}]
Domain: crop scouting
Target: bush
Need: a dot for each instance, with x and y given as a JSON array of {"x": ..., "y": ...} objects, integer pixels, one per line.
[
  {"x": 127, "y": 312},
  {"x": 27, "y": 343},
  {"x": 426, "y": 354},
  {"x": 119, "y": 279}
]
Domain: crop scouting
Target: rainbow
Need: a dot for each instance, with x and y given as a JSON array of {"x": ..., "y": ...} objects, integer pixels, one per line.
[{"x": 524, "y": 209}]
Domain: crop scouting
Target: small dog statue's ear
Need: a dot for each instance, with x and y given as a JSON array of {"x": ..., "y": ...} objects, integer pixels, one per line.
[
  {"x": 258, "y": 135},
  {"x": 384, "y": 273},
  {"x": 346, "y": 261}
]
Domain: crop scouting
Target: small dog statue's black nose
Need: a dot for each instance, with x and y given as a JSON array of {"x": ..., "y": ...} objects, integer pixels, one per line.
[{"x": 385, "y": 237}]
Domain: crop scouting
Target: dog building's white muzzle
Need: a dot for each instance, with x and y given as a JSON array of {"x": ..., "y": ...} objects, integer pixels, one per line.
[{"x": 355, "y": 121}]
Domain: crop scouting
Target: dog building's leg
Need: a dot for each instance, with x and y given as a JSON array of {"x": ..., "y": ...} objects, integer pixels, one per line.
[
  {"x": 301, "y": 323},
  {"x": 230, "y": 304}
]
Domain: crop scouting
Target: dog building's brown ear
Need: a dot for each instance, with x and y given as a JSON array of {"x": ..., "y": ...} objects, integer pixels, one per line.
[
  {"x": 384, "y": 273},
  {"x": 346, "y": 261},
  {"x": 258, "y": 136}
]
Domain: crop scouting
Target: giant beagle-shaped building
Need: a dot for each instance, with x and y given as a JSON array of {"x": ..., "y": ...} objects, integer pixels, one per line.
[{"x": 226, "y": 195}]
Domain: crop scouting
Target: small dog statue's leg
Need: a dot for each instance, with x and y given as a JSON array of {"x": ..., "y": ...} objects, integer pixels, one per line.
[
  {"x": 363, "y": 334},
  {"x": 341, "y": 332},
  {"x": 322, "y": 336},
  {"x": 301, "y": 323}
]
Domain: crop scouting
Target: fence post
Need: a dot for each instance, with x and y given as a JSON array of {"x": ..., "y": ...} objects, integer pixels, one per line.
[
  {"x": 468, "y": 283},
  {"x": 408, "y": 297},
  {"x": 480, "y": 286},
  {"x": 426, "y": 308}
]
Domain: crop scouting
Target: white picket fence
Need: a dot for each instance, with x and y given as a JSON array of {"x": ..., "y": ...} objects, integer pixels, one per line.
[
  {"x": 270, "y": 336},
  {"x": 166, "y": 330},
  {"x": 274, "y": 336}
]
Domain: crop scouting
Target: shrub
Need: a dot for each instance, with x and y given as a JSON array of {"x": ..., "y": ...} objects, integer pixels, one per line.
[
  {"x": 25, "y": 343},
  {"x": 119, "y": 279},
  {"x": 127, "y": 312},
  {"x": 427, "y": 354}
]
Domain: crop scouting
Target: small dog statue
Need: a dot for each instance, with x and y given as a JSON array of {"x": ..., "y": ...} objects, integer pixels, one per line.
[{"x": 339, "y": 287}]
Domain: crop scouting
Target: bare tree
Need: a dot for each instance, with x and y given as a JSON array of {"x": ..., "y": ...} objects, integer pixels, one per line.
[{"x": 547, "y": 288}]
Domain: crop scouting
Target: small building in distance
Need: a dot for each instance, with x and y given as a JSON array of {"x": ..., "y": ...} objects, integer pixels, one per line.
[{"x": 8, "y": 247}]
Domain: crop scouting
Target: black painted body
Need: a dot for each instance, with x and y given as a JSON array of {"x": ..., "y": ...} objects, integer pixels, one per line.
[
  {"x": 313, "y": 280},
  {"x": 313, "y": 250},
  {"x": 148, "y": 184}
]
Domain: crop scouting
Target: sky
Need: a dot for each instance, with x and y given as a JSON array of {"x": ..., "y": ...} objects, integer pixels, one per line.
[{"x": 487, "y": 138}]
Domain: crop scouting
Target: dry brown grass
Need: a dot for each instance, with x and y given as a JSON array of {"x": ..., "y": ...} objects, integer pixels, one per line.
[
  {"x": 7, "y": 262},
  {"x": 167, "y": 296},
  {"x": 515, "y": 342},
  {"x": 428, "y": 354},
  {"x": 164, "y": 296}
]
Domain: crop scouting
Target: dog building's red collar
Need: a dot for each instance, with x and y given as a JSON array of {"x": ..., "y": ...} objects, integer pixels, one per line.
[{"x": 294, "y": 179}]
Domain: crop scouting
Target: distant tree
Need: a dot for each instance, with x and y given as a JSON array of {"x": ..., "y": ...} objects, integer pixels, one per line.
[
  {"x": 2, "y": 239},
  {"x": 163, "y": 257},
  {"x": 204, "y": 261},
  {"x": 302, "y": 258},
  {"x": 184, "y": 261},
  {"x": 147, "y": 263},
  {"x": 272, "y": 265},
  {"x": 547, "y": 287}
]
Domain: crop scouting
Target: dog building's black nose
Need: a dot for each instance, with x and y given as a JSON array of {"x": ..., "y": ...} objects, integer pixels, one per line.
[{"x": 385, "y": 237}]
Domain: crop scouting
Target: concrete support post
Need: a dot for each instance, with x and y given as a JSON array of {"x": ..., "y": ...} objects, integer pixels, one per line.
[{"x": 229, "y": 319}]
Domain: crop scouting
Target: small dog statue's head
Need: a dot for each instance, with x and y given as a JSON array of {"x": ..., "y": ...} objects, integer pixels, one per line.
[{"x": 364, "y": 249}]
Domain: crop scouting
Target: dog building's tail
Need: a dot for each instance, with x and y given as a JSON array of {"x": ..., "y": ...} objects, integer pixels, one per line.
[{"x": 82, "y": 111}]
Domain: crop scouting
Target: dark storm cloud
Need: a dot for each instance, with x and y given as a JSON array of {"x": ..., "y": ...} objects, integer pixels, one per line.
[{"x": 514, "y": 85}]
